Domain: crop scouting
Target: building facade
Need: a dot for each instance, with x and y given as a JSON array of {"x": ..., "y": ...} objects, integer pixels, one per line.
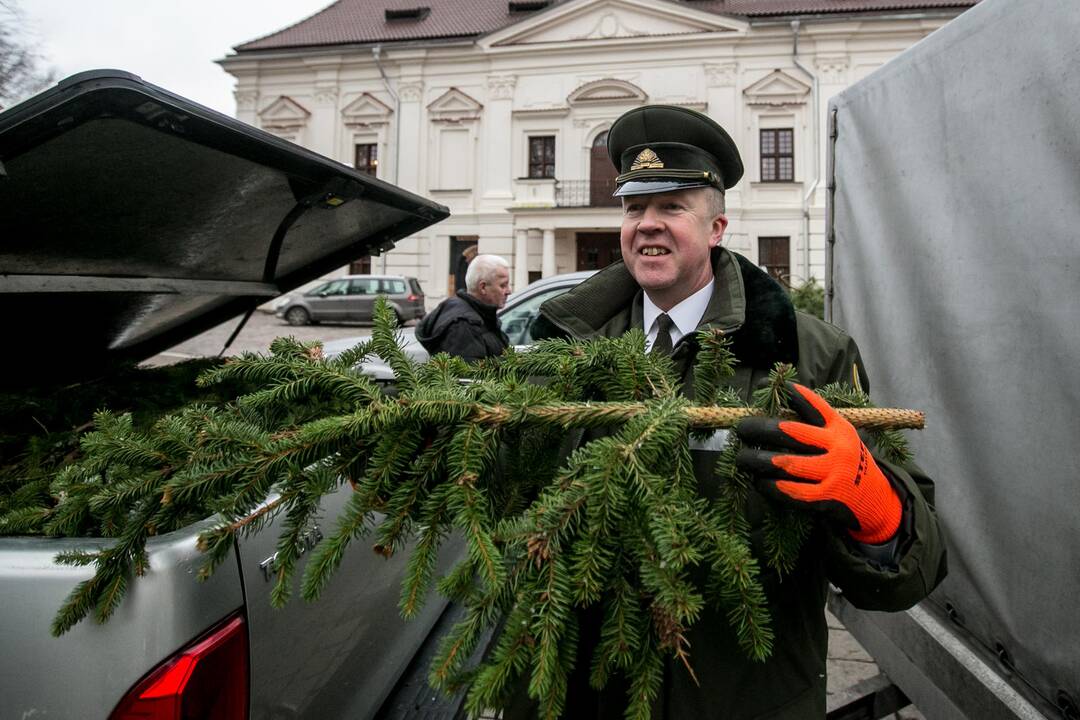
[{"x": 500, "y": 110}]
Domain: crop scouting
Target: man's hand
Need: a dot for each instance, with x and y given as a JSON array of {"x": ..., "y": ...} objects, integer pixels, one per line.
[{"x": 826, "y": 466}]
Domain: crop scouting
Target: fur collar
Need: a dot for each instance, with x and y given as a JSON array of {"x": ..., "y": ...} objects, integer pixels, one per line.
[{"x": 768, "y": 334}]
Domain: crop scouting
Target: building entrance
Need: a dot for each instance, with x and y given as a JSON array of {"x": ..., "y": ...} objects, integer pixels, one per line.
[
  {"x": 597, "y": 250},
  {"x": 462, "y": 251}
]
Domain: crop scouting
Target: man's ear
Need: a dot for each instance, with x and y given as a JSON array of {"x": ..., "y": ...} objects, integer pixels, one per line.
[{"x": 717, "y": 227}]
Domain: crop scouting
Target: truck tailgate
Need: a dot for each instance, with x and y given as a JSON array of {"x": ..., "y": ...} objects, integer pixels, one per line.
[
  {"x": 85, "y": 672},
  {"x": 338, "y": 657}
]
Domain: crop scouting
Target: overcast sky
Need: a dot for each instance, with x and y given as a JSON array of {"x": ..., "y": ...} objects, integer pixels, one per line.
[{"x": 168, "y": 43}]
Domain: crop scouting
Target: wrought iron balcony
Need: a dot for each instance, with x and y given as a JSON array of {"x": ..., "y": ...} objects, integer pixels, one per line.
[{"x": 585, "y": 193}]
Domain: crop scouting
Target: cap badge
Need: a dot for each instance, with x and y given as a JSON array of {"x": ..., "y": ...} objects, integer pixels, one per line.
[{"x": 646, "y": 159}]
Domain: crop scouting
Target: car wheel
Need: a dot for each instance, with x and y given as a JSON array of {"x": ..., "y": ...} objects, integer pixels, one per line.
[{"x": 297, "y": 316}]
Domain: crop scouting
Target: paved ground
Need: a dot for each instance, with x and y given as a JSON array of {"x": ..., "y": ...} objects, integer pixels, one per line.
[
  {"x": 848, "y": 663},
  {"x": 256, "y": 336}
]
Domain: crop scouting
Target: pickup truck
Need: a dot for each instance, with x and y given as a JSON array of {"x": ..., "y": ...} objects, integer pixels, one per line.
[{"x": 132, "y": 220}]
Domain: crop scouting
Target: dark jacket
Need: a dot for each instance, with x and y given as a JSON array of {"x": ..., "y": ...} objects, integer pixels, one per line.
[
  {"x": 462, "y": 326},
  {"x": 757, "y": 314}
]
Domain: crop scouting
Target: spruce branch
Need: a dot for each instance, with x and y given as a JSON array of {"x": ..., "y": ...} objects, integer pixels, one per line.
[{"x": 571, "y": 492}]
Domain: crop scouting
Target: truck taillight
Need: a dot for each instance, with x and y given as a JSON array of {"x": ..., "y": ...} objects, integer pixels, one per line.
[{"x": 207, "y": 679}]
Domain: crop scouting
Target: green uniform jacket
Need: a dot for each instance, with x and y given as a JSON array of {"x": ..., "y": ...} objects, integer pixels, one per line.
[{"x": 757, "y": 314}]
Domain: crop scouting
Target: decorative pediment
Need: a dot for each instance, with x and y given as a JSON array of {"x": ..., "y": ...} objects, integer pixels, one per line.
[
  {"x": 605, "y": 20},
  {"x": 777, "y": 89},
  {"x": 607, "y": 91},
  {"x": 284, "y": 114},
  {"x": 454, "y": 106},
  {"x": 366, "y": 110}
]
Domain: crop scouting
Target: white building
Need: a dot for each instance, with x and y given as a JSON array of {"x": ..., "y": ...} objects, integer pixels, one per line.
[{"x": 500, "y": 110}]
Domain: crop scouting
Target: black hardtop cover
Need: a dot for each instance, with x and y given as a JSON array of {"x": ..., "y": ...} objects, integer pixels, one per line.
[{"x": 132, "y": 219}]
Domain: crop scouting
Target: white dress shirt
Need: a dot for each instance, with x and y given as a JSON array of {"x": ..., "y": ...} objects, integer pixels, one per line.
[{"x": 685, "y": 316}]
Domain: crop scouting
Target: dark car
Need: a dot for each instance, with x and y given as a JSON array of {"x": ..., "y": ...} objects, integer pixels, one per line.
[{"x": 352, "y": 299}]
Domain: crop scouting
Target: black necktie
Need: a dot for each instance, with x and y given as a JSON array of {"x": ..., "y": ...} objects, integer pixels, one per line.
[{"x": 662, "y": 344}]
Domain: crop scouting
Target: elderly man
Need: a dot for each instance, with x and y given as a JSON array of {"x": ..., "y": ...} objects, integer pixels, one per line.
[
  {"x": 878, "y": 538},
  {"x": 467, "y": 325}
]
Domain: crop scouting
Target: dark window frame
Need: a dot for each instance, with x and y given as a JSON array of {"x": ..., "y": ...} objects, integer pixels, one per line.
[
  {"x": 769, "y": 246},
  {"x": 366, "y": 158},
  {"x": 541, "y": 157},
  {"x": 777, "y": 147}
]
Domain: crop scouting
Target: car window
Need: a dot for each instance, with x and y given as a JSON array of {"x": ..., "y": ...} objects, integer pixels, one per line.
[
  {"x": 517, "y": 321},
  {"x": 318, "y": 289},
  {"x": 415, "y": 285},
  {"x": 364, "y": 286},
  {"x": 392, "y": 287},
  {"x": 334, "y": 287}
]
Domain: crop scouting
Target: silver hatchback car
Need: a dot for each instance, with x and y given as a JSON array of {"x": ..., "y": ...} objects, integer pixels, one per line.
[{"x": 352, "y": 299}]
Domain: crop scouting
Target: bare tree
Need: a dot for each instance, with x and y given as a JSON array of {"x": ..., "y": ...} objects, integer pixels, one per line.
[{"x": 22, "y": 67}]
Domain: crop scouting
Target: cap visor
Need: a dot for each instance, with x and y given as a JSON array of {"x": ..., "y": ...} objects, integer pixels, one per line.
[{"x": 654, "y": 187}]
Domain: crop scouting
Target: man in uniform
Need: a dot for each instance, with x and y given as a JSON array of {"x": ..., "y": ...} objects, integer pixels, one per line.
[
  {"x": 467, "y": 324},
  {"x": 879, "y": 540}
]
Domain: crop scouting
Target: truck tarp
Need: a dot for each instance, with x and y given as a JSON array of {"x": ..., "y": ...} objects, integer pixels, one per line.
[{"x": 955, "y": 261}]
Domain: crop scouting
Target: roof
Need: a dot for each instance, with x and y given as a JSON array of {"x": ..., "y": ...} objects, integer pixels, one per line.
[{"x": 364, "y": 21}]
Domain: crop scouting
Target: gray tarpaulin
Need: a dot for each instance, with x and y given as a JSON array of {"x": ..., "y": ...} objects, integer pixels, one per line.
[{"x": 956, "y": 265}]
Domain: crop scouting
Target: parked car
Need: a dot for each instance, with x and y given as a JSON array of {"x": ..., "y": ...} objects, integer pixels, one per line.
[
  {"x": 112, "y": 281},
  {"x": 516, "y": 317},
  {"x": 352, "y": 299},
  {"x": 523, "y": 307}
]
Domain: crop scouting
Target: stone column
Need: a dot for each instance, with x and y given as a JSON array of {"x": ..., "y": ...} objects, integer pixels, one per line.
[
  {"x": 439, "y": 259},
  {"x": 832, "y": 70},
  {"x": 247, "y": 101},
  {"x": 323, "y": 123},
  {"x": 521, "y": 258},
  {"x": 720, "y": 93},
  {"x": 723, "y": 107},
  {"x": 246, "y": 92},
  {"x": 410, "y": 92},
  {"x": 322, "y": 129},
  {"x": 547, "y": 266},
  {"x": 498, "y": 141}
]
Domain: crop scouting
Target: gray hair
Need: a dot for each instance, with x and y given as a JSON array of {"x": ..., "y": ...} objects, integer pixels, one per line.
[
  {"x": 483, "y": 267},
  {"x": 715, "y": 200}
]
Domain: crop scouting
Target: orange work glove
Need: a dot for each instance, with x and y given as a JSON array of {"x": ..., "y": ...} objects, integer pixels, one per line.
[{"x": 826, "y": 467}]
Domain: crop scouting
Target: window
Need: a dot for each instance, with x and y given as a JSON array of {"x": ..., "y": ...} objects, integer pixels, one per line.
[
  {"x": 366, "y": 161},
  {"x": 517, "y": 322},
  {"x": 455, "y": 159},
  {"x": 542, "y": 156},
  {"x": 515, "y": 6},
  {"x": 367, "y": 158},
  {"x": 413, "y": 13},
  {"x": 364, "y": 286},
  {"x": 777, "y": 155},
  {"x": 334, "y": 287},
  {"x": 360, "y": 266},
  {"x": 392, "y": 287},
  {"x": 774, "y": 255}
]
